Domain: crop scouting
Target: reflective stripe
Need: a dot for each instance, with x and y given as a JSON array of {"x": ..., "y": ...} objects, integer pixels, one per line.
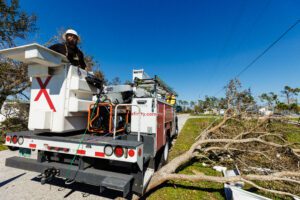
[
  {"x": 99, "y": 154},
  {"x": 80, "y": 151}
]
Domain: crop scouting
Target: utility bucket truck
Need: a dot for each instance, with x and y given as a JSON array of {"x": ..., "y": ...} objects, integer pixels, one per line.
[{"x": 114, "y": 137}]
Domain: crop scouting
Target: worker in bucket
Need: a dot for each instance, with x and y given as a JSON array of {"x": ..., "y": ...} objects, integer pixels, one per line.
[
  {"x": 171, "y": 99},
  {"x": 69, "y": 48}
]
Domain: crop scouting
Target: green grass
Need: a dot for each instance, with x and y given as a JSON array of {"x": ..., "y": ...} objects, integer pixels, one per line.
[
  {"x": 204, "y": 115},
  {"x": 296, "y": 119},
  {"x": 290, "y": 132},
  {"x": 2, "y": 147},
  {"x": 192, "y": 128},
  {"x": 184, "y": 189}
]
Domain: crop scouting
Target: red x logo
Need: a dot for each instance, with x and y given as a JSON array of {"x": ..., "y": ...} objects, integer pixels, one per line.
[{"x": 44, "y": 91}]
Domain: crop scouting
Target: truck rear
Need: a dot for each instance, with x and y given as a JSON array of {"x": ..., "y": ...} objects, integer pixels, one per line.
[{"x": 108, "y": 136}]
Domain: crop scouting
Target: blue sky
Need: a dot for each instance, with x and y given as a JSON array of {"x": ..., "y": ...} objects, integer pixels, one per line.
[{"x": 195, "y": 46}]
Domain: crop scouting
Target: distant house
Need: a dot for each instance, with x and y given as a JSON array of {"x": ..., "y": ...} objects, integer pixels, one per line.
[
  {"x": 221, "y": 111},
  {"x": 213, "y": 111},
  {"x": 207, "y": 112},
  {"x": 265, "y": 111}
]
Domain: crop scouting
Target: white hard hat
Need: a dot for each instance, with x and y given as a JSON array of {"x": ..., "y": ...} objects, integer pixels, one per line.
[{"x": 70, "y": 31}]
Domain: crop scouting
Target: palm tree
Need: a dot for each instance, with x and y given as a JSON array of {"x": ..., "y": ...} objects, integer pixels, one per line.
[{"x": 289, "y": 93}]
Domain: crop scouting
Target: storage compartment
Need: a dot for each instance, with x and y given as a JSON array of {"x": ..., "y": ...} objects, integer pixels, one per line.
[{"x": 60, "y": 95}]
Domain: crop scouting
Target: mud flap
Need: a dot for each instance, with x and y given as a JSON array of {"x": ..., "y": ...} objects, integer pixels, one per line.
[{"x": 140, "y": 156}]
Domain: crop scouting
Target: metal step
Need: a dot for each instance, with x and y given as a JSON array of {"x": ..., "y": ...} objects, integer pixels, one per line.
[
  {"x": 96, "y": 177},
  {"x": 116, "y": 184}
]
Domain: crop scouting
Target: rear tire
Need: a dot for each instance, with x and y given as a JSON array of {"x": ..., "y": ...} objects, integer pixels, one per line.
[
  {"x": 166, "y": 151},
  {"x": 163, "y": 155},
  {"x": 176, "y": 133}
]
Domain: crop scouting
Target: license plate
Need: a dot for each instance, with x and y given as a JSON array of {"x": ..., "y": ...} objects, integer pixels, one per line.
[{"x": 24, "y": 152}]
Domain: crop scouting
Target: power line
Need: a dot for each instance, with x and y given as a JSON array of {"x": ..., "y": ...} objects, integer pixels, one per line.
[
  {"x": 263, "y": 53},
  {"x": 267, "y": 49},
  {"x": 256, "y": 20}
]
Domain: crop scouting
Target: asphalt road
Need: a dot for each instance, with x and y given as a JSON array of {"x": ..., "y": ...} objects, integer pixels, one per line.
[{"x": 23, "y": 185}]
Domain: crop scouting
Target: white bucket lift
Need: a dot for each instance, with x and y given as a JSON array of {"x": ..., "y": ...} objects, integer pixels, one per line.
[{"x": 59, "y": 95}]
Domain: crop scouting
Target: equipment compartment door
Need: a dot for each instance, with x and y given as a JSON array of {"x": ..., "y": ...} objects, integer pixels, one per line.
[{"x": 160, "y": 136}]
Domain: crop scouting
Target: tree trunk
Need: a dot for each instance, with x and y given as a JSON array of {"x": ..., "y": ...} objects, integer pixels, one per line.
[{"x": 2, "y": 100}]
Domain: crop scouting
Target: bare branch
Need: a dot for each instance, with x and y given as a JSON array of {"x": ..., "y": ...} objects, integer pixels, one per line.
[
  {"x": 235, "y": 149},
  {"x": 270, "y": 134},
  {"x": 269, "y": 190},
  {"x": 246, "y": 178}
]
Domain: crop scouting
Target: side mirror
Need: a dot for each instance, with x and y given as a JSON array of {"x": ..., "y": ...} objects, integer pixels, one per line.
[{"x": 178, "y": 109}]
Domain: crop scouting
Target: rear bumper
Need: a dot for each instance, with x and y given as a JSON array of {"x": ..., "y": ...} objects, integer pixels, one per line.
[{"x": 112, "y": 180}]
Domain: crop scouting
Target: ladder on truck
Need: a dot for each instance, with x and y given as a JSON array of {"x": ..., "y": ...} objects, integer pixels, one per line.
[{"x": 156, "y": 86}]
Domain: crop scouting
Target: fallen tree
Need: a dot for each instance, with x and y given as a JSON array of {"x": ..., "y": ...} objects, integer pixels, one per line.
[{"x": 245, "y": 141}]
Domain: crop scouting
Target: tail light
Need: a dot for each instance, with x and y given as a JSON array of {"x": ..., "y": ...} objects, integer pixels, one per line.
[
  {"x": 8, "y": 138},
  {"x": 15, "y": 139},
  {"x": 140, "y": 152},
  {"x": 108, "y": 150},
  {"x": 131, "y": 153},
  {"x": 119, "y": 151}
]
